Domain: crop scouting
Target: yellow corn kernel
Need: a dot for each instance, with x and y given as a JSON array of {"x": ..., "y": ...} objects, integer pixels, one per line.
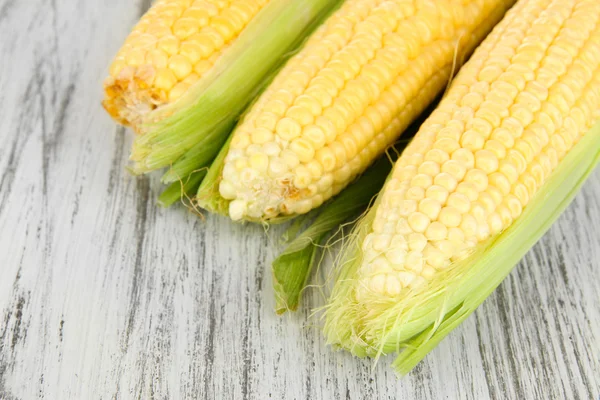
[{"x": 185, "y": 37}]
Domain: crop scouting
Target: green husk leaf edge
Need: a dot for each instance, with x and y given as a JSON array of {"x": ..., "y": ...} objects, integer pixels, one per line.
[{"x": 182, "y": 190}]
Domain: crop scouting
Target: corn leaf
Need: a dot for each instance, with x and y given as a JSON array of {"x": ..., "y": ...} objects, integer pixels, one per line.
[
  {"x": 181, "y": 190},
  {"x": 208, "y": 196},
  {"x": 200, "y": 156}
]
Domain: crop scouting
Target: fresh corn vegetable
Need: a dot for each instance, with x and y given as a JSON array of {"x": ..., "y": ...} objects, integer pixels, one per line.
[
  {"x": 484, "y": 177},
  {"x": 183, "y": 125},
  {"x": 170, "y": 49},
  {"x": 359, "y": 81}
]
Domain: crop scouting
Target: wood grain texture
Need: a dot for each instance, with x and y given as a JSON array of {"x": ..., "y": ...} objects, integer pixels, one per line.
[{"x": 105, "y": 296}]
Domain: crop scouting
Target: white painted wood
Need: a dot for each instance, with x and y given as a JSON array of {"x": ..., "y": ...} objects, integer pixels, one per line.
[{"x": 103, "y": 295}]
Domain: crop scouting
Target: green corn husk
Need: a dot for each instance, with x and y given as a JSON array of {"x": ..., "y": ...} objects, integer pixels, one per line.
[
  {"x": 292, "y": 268},
  {"x": 416, "y": 323},
  {"x": 218, "y": 99},
  {"x": 183, "y": 190},
  {"x": 200, "y": 156},
  {"x": 297, "y": 225},
  {"x": 208, "y": 196}
]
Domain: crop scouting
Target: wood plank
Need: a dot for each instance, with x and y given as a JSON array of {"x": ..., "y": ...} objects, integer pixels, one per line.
[{"x": 104, "y": 295}]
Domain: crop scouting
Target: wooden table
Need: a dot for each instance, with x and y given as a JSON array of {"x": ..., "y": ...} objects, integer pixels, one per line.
[{"x": 105, "y": 296}]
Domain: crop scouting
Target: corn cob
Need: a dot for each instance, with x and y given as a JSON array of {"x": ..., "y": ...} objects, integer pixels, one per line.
[
  {"x": 170, "y": 49},
  {"x": 492, "y": 166},
  {"x": 355, "y": 86},
  {"x": 187, "y": 134}
]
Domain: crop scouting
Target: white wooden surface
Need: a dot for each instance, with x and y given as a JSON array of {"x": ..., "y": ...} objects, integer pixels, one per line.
[{"x": 105, "y": 296}]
